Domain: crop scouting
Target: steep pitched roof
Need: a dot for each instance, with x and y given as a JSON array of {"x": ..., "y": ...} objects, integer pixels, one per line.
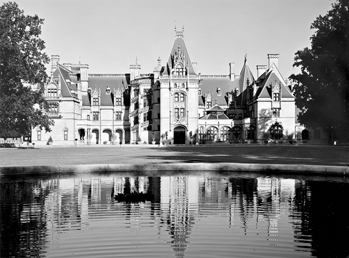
[
  {"x": 268, "y": 78},
  {"x": 211, "y": 85},
  {"x": 179, "y": 51},
  {"x": 117, "y": 82},
  {"x": 63, "y": 73},
  {"x": 214, "y": 116},
  {"x": 246, "y": 79}
]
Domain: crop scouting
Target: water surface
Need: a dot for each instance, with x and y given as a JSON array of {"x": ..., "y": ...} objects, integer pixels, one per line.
[{"x": 189, "y": 215}]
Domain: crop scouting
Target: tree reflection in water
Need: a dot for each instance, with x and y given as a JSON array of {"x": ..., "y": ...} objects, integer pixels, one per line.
[{"x": 35, "y": 214}]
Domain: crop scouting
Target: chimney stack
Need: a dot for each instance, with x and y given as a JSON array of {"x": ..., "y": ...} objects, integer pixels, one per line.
[
  {"x": 273, "y": 59},
  {"x": 231, "y": 71},
  {"x": 54, "y": 62}
]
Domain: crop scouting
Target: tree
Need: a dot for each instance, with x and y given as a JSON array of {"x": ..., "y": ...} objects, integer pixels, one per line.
[
  {"x": 22, "y": 73},
  {"x": 322, "y": 87}
]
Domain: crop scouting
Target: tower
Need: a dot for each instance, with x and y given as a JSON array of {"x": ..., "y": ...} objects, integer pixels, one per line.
[{"x": 179, "y": 95}]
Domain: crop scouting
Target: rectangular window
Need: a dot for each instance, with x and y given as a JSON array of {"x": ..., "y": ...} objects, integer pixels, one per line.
[
  {"x": 66, "y": 135},
  {"x": 95, "y": 115},
  {"x": 176, "y": 113},
  {"x": 95, "y": 101},
  {"x": 118, "y": 115},
  {"x": 39, "y": 135},
  {"x": 145, "y": 117},
  {"x": 276, "y": 97},
  {"x": 88, "y": 117},
  {"x": 209, "y": 104},
  {"x": 145, "y": 103},
  {"x": 182, "y": 112},
  {"x": 118, "y": 101}
]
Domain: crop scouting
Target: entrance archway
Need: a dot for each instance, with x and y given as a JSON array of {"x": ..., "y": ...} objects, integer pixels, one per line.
[
  {"x": 118, "y": 136},
  {"x": 81, "y": 135},
  {"x": 179, "y": 135},
  {"x": 95, "y": 136},
  {"x": 305, "y": 134},
  {"x": 106, "y": 136}
]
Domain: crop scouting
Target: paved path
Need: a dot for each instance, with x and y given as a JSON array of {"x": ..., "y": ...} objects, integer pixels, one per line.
[{"x": 261, "y": 154}]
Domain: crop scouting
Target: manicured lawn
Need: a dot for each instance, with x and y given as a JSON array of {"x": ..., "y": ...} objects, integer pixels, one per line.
[{"x": 287, "y": 154}]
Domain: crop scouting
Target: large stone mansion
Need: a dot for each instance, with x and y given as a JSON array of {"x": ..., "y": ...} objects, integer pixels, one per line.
[{"x": 172, "y": 105}]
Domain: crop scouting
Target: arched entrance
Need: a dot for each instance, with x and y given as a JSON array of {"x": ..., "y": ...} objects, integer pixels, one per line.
[
  {"x": 179, "y": 135},
  {"x": 236, "y": 133},
  {"x": 95, "y": 136},
  {"x": 212, "y": 134},
  {"x": 118, "y": 136},
  {"x": 276, "y": 131},
  {"x": 305, "y": 134},
  {"x": 225, "y": 133},
  {"x": 81, "y": 135},
  {"x": 106, "y": 136}
]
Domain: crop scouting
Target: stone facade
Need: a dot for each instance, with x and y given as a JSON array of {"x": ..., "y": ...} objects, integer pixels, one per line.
[{"x": 172, "y": 105}]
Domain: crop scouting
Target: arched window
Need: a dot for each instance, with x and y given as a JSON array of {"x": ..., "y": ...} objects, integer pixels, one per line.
[
  {"x": 175, "y": 85},
  {"x": 251, "y": 133},
  {"x": 225, "y": 133},
  {"x": 212, "y": 134},
  {"x": 176, "y": 99},
  {"x": 276, "y": 131},
  {"x": 181, "y": 99},
  {"x": 65, "y": 134}
]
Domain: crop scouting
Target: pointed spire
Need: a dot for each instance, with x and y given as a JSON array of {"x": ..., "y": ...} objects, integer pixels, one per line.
[{"x": 179, "y": 33}]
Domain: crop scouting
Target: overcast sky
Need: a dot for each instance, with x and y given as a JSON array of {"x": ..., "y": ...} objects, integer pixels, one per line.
[{"x": 110, "y": 35}]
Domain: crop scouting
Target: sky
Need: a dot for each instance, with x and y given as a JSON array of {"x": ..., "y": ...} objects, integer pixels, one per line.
[{"x": 109, "y": 35}]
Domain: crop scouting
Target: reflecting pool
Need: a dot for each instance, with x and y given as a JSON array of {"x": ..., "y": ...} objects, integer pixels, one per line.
[{"x": 186, "y": 215}]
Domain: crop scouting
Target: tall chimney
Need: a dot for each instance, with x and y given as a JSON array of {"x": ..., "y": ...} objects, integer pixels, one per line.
[
  {"x": 260, "y": 70},
  {"x": 231, "y": 71},
  {"x": 273, "y": 59},
  {"x": 54, "y": 62}
]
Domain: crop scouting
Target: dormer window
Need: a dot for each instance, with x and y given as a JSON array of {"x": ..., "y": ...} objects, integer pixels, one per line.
[
  {"x": 107, "y": 90},
  {"x": 95, "y": 101},
  {"x": 199, "y": 92},
  {"x": 117, "y": 101},
  {"x": 179, "y": 70},
  {"x": 209, "y": 104},
  {"x": 276, "y": 96},
  {"x": 219, "y": 92}
]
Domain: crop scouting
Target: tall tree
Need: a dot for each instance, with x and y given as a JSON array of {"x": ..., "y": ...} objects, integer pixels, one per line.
[
  {"x": 322, "y": 87},
  {"x": 22, "y": 73}
]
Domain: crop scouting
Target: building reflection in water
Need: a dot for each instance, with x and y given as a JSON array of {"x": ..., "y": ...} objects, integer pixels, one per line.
[{"x": 38, "y": 214}]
